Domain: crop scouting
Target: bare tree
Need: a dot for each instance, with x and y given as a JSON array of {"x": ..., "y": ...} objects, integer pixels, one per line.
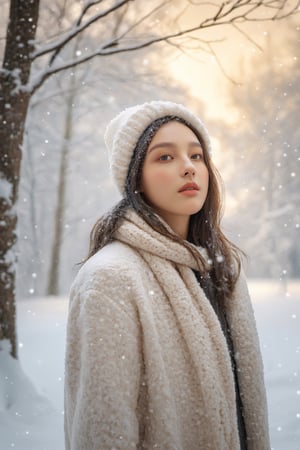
[
  {"x": 48, "y": 57},
  {"x": 14, "y": 102},
  {"x": 53, "y": 282}
]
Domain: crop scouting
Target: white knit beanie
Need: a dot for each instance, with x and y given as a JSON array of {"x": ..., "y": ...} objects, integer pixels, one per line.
[{"x": 124, "y": 131}]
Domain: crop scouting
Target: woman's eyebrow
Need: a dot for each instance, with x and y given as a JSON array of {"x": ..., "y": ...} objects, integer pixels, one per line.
[
  {"x": 162, "y": 144},
  {"x": 172, "y": 144}
]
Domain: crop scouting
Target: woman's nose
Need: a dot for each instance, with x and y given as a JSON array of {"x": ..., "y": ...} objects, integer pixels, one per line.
[{"x": 188, "y": 168}]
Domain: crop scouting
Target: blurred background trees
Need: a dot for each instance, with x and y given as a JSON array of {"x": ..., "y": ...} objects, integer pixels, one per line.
[
  {"x": 258, "y": 159},
  {"x": 263, "y": 176},
  {"x": 85, "y": 67}
]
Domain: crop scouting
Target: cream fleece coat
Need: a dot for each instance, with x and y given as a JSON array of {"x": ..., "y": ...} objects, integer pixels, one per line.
[{"x": 147, "y": 364}]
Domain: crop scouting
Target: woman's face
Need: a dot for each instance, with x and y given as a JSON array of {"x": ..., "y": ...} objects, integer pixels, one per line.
[{"x": 174, "y": 175}]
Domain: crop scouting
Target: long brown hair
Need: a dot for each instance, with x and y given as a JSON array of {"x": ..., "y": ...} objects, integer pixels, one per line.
[{"x": 204, "y": 226}]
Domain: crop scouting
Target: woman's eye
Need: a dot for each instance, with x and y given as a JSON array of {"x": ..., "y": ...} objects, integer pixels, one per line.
[
  {"x": 165, "y": 158},
  {"x": 197, "y": 156}
]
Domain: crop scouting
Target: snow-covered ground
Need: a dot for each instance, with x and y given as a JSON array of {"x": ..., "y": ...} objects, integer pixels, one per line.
[{"x": 31, "y": 399}]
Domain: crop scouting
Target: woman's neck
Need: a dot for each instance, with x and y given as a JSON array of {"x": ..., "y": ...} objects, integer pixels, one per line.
[{"x": 179, "y": 224}]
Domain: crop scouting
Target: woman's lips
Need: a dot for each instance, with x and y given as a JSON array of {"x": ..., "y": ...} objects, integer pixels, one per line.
[
  {"x": 189, "y": 188},
  {"x": 189, "y": 192}
]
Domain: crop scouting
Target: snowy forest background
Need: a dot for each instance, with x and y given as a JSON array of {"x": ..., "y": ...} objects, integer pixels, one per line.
[
  {"x": 65, "y": 182},
  {"x": 243, "y": 80}
]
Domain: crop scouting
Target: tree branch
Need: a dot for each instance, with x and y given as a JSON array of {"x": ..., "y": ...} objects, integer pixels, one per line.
[
  {"x": 246, "y": 35},
  {"x": 57, "y": 46},
  {"x": 141, "y": 20},
  {"x": 85, "y": 9},
  {"x": 220, "y": 65},
  {"x": 224, "y": 17}
]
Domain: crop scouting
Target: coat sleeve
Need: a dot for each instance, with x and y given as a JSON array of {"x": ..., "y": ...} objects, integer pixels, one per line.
[{"x": 102, "y": 369}]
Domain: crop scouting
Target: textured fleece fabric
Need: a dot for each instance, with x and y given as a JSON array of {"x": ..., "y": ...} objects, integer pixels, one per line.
[{"x": 147, "y": 364}]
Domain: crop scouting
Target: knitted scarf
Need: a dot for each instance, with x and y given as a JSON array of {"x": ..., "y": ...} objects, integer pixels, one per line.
[{"x": 172, "y": 265}]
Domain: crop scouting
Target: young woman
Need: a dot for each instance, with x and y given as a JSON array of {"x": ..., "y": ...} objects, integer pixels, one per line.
[{"x": 162, "y": 347}]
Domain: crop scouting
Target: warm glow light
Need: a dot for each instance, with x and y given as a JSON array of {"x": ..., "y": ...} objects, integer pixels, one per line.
[{"x": 208, "y": 76}]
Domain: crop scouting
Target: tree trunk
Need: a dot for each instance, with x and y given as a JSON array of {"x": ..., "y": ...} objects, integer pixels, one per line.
[
  {"x": 14, "y": 102},
  {"x": 53, "y": 283}
]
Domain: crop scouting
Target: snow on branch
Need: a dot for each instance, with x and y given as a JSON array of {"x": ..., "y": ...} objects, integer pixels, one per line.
[
  {"x": 228, "y": 13},
  {"x": 78, "y": 28},
  {"x": 87, "y": 6}
]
